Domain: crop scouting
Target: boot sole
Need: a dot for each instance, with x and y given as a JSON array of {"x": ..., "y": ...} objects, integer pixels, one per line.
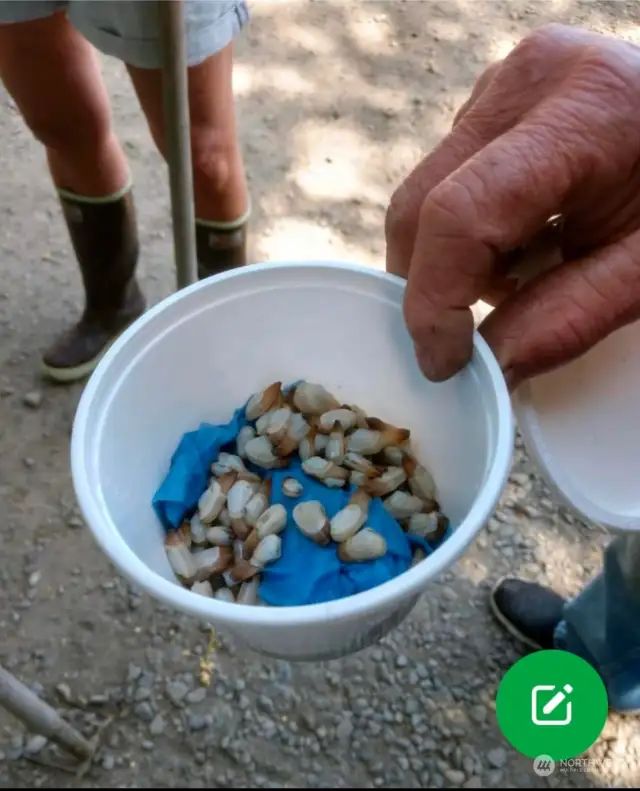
[
  {"x": 76, "y": 374},
  {"x": 506, "y": 623},
  {"x": 79, "y": 372}
]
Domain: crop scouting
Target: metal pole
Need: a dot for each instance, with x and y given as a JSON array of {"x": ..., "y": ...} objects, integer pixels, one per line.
[{"x": 176, "y": 125}]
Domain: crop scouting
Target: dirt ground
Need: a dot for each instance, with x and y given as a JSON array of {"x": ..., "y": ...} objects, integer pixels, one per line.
[{"x": 336, "y": 102}]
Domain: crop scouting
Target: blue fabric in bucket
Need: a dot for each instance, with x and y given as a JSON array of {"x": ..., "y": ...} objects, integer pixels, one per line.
[{"x": 306, "y": 573}]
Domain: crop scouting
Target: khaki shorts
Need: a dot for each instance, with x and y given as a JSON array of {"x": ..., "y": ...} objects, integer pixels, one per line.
[{"x": 128, "y": 29}]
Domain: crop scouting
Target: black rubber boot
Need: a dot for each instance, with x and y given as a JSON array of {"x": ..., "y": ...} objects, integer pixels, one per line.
[
  {"x": 528, "y": 611},
  {"x": 105, "y": 240},
  {"x": 220, "y": 249}
]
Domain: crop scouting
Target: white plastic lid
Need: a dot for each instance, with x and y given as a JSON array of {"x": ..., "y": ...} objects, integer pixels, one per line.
[
  {"x": 581, "y": 423},
  {"x": 581, "y": 426}
]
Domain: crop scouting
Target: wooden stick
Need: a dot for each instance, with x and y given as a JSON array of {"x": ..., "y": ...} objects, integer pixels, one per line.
[
  {"x": 177, "y": 132},
  {"x": 39, "y": 717}
]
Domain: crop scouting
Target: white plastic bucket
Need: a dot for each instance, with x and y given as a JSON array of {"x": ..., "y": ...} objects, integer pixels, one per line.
[{"x": 202, "y": 352}]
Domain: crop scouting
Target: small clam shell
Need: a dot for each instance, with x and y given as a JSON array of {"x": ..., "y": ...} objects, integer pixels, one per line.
[
  {"x": 389, "y": 481},
  {"x": 336, "y": 447},
  {"x": 307, "y": 447},
  {"x": 402, "y": 434},
  {"x": 322, "y": 469},
  {"x": 334, "y": 483},
  {"x": 311, "y": 519},
  {"x": 313, "y": 399},
  {"x": 432, "y": 526},
  {"x": 292, "y": 487},
  {"x": 238, "y": 551},
  {"x": 361, "y": 416},
  {"x": 347, "y": 522},
  {"x": 394, "y": 455},
  {"x": 211, "y": 561},
  {"x": 357, "y": 478},
  {"x": 241, "y": 571},
  {"x": 297, "y": 430},
  {"x": 343, "y": 419},
  {"x": 370, "y": 441},
  {"x": 364, "y": 441},
  {"x": 260, "y": 451},
  {"x": 224, "y": 517},
  {"x": 262, "y": 423},
  {"x": 258, "y": 504},
  {"x": 278, "y": 424},
  {"x": 418, "y": 556},
  {"x": 211, "y": 502},
  {"x": 238, "y": 498},
  {"x": 364, "y": 545},
  {"x": 354, "y": 461},
  {"x": 244, "y": 435},
  {"x": 220, "y": 536},
  {"x": 185, "y": 532},
  {"x": 248, "y": 593},
  {"x": 402, "y": 505},
  {"x": 180, "y": 558},
  {"x": 272, "y": 521},
  {"x": 420, "y": 480},
  {"x": 226, "y": 463},
  {"x": 224, "y": 594},
  {"x": 268, "y": 550},
  {"x": 321, "y": 443},
  {"x": 203, "y": 588},
  {"x": 262, "y": 402},
  {"x": 198, "y": 531}
]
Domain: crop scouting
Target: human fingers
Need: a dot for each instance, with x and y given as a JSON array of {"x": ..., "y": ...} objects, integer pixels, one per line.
[
  {"x": 565, "y": 311},
  {"x": 494, "y": 203},
  {"x": 501, "y": 98}
]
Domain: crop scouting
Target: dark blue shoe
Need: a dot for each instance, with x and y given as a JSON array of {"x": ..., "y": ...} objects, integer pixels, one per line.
[{"x": 528, "y": 611}]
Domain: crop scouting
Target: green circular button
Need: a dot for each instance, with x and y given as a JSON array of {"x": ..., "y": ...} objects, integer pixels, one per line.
[{"x": 552, "y": 703}]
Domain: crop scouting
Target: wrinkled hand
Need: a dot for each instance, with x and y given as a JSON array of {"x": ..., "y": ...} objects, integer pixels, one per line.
[{"x": 554, "y": 129}]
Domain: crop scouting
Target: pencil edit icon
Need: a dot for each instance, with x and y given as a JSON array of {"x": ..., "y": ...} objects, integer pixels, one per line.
[
  {"x": 572, "y": 697},
  {"x": 554, "y": 710}
]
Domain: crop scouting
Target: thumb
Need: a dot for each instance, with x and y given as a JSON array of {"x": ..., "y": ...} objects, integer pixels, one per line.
[{"x": 562, "y": 313}]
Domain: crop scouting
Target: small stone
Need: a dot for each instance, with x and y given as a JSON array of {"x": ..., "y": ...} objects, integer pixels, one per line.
[
  {"x": 455, "y": 777},
  {"x": 28, "y": 462},
  {"x": 197, "y": 722},
  {"x": 157, "y": 725},
  {"x": 344, "y": 729},
  {"x": 197, "y": 695},
  {"x": 479, "y": 714},
  {"x": 35, "y": 745},
  {"x": 108, "y": 762},
  {"x": 65, "y": 692},
  {"x": 473, "y": 782},
  {"x": 402, "y": 661},
  {"x": 134, "y": 673},
  {"x": 33, "y": 400},
  {"x": 497, "y": 758},
  {"x": 75, "y": 522},
  {"x": 176, "y": 692},
  {"x": 144, "y": 712},
  {"x": 148, "y": 746},
  {"x": 143, "y": 693}
]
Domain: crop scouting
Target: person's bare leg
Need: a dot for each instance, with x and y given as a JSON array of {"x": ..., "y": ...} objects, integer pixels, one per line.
[
  {"x": 53, "y": 75},
  {"x": 220, "y": 188}
]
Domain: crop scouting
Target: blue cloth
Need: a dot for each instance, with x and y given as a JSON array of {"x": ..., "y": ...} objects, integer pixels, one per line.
[
  {"x": 305, "y": 573},
  {"x": 602, "y": 624}
]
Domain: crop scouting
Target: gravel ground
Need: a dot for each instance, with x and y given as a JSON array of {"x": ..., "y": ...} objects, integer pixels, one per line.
[{"x": 336, "y": 101}]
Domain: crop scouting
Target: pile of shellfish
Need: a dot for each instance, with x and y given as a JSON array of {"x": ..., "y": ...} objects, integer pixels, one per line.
[{"x": 235, "y": 531}]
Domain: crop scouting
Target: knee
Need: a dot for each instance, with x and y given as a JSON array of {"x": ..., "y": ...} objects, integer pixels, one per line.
[
  {"x": 73, "y": 135},
  {"x": 213, "y": 157}
]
